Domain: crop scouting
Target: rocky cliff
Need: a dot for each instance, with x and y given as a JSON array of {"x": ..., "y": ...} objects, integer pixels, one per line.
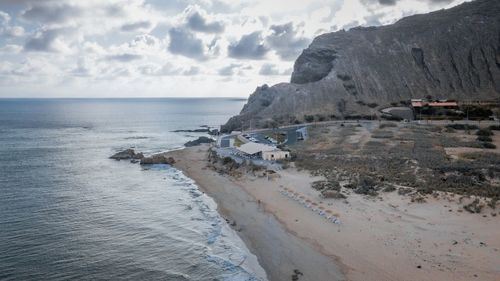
[{"x": 447, "y": 54}]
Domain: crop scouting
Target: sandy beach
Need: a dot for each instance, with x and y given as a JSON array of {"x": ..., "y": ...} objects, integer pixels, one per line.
[{"x": 374, "y": 239}]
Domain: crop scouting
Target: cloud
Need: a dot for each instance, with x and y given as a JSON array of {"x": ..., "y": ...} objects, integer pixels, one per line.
[
  {"x": 250, "y": 46},
  {"x": 9, "y": 31},
  {"x": 233, "y": 69},
  {"x": 12, "y": 31},
  {"x": 46, "y": 41},
  {"x": 126, "y": 57},
  {"x": 185, "y": 43},
  {"x": 168, "y": 69},
  {"x": 269, "y": 69},
  {"x": 137, "y": 26},
  {"x": 4, "y": 18},
  {"x": 286, "y": 42},
  {"x": 229, "y": 70},
  {"x": 11, "y": 48},
  {"x": 196, "y": 21},
  {"x": 52, "y": 12}
]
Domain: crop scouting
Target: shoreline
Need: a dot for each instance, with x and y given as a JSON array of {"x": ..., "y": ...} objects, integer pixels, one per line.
[
  {"x": 279, "y": 251},
  {"x": 378, "y": 239}
]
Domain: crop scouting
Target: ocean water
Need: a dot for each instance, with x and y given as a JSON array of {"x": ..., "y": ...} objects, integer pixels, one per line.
[{"x": 69, "y": 212}]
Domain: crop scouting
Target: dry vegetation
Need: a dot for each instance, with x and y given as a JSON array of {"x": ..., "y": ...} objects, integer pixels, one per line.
[{"x": 409, "y": 158}]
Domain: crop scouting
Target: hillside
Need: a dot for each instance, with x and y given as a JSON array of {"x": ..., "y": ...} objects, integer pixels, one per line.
[{"x": 447, "y": 54}]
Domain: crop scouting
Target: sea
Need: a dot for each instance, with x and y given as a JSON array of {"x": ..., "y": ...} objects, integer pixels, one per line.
[{"x": 68, "y": 212}]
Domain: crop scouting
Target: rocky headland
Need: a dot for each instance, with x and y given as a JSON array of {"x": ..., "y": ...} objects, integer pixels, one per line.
[{"x": 447, "y": 54}]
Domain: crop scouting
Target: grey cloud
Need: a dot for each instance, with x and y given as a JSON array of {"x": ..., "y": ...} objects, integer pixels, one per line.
[
  {"x": 285, "y": 41},
  {"x": 12, "y": 31},
  {"x": 126, "y": 57},
  {"x": 269, "y": 70},
  {"x": 234, "y": 69},
  {"x": 4, "y": 18},
  {"x": 183, "y": 42},
  {"x": 196, "y": 22},
  {"x": 168, "y": 70},
  {"x": 141, "y": 25},
  {"x": 43, "y": 41},
  {"x": 250, "y": 46},
  {"x": 9, "y": 31},
  {"x": 193, "y": 70},
  {"x": 50, "y": 12},
  {"x": 229, "y": 70}
]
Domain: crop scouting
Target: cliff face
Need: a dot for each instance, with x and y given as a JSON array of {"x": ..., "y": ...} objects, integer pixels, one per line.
[{"x": 448, "y": 54}]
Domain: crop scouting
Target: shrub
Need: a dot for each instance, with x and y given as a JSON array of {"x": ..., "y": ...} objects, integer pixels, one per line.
[
  {"x": 484, "y": 132},
  {"x": 462, "y": 126},
  {"x": 494, "y": 127},
  {"x": 489, "y": 145},
  {"x": 309, "y": 118},
  {"x": 387, "y": 125},
  {"x": 484, "y": 138},
  {"x": 474, "y": 207},
  {"x": 227, "y": 160}
]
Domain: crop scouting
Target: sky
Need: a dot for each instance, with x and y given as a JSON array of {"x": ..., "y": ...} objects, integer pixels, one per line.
[{"x": 170, "y": 48}]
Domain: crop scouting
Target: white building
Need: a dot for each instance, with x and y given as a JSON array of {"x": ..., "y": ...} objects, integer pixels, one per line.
[
  {"x": 275, "y": 155},
  {"x": 267, "y": 152}
]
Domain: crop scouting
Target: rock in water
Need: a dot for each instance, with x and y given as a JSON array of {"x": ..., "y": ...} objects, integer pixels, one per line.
[
  {"x": 157, "y": 159},
  {"x": 447, "y": 54},
  {"x": 198, "y": 141},
  {"x": 127, "y": 154}
]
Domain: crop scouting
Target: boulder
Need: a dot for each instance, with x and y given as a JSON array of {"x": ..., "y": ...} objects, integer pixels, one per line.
[
  {"x": 125, "y": 154},
  {"x": 199, "y": 141},
  {"x": 157, "y": 159},
  {"x": 333, "y": 194}
]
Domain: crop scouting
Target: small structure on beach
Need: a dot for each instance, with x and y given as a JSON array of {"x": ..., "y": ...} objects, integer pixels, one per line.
[
  {"x": 275, "y": 155},
  {"x": 266, "y": 152}
]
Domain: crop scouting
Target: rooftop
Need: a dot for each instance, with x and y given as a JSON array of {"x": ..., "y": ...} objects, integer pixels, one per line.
[{"x": 253, "y": 148}]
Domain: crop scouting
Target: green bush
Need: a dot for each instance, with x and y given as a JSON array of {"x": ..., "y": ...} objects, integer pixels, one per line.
[
  {"x": 227, "y": 160},
  {"x": 484, "y": 132},
  {"x": 484, "y": 138},
  {"x": 489, "y": 145},
  {"x": 309, "y": 118},
  {"x": 462, "y": 126},
  {"x": 495, "y": 127}
]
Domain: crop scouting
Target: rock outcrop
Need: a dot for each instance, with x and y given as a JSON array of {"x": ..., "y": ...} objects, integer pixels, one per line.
[
  {"x": 157, "y": 159},
  {"x": 127, "y": 154},
  {"x": 447, "y": 54},
  {"x": 198, "y": 141}
]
